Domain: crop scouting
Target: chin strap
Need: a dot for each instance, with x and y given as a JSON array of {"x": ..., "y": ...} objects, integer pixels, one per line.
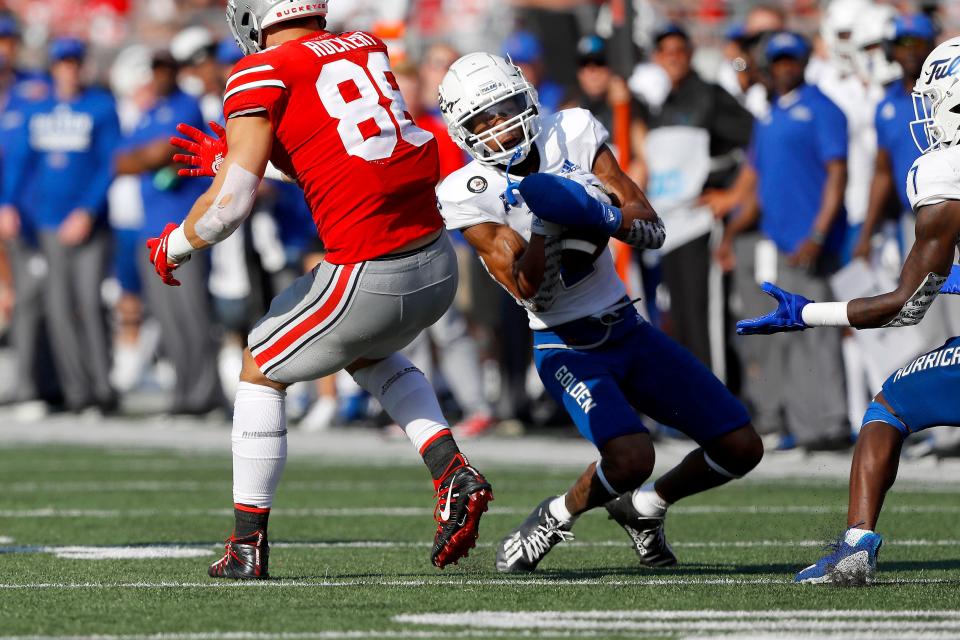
[{"x": 512, "y": 186}]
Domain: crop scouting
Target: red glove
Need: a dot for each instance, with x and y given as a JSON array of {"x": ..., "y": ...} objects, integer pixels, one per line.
[
  {"x": 204, "y": 152},
  {"x": 158, "y": 256}
]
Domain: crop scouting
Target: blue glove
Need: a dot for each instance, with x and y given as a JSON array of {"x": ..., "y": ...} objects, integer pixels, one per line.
[
  {"x": 787, "y": 317},
  {"x": 952, "y": 285},
  {"x": 565, "y": 202}
]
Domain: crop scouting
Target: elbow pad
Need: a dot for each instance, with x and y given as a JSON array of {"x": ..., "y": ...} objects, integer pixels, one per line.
[
  {"x": 566, "y": 202},
  {"x": 646, "y": 234},
  {"x": 232, "y": 206},
  {"x": 916, "y": 306}
]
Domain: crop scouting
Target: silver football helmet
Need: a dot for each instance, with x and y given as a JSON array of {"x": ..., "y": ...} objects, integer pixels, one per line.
[
  {"x": 249, "y": 18},
  {"x": 936, "y": 99},
  {"x": 482, "y": 88}
]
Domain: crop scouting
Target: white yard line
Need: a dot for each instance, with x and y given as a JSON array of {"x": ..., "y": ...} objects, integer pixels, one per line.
[
  {"x": 404, "y": 512},
  {"x": 177, "y": 550},
  {"x": 466, "y": 582},
  {"x": 780, "y": 621},
  {"x": 316, "y": 635}
]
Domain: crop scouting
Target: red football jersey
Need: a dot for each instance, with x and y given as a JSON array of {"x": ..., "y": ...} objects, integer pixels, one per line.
[{"x": 343, "y": 131}]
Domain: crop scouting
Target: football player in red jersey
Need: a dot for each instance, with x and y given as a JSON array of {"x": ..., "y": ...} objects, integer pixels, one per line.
[{"x": 325, "y": 109}]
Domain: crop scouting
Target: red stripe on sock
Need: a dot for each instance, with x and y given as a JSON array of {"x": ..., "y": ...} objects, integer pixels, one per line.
[
  {"x": 434, "y": 438},
  {"x": 251, "y": 509}
]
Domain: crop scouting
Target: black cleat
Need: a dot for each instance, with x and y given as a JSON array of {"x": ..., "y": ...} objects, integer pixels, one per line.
[
  {"x": 523, "y": 549},
  {"x": 462, "y": 497},
  {"x": 246, "y": 558},
  {"x": 645, "y": 533}
]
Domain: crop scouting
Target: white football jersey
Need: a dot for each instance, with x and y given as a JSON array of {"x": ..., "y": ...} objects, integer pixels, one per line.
[
  {"x": 934, "y": 178},
  {"x": 568, "y": 145}
]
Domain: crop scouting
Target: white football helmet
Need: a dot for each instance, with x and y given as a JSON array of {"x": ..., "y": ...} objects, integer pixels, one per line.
[
  {"x": 936, "y": 99},
  {"x": 870, "y": 34},
  {"x": 483, "y": 86},
  {"x": 248, "y": 18},
  {"x": 837, "y": 29}
]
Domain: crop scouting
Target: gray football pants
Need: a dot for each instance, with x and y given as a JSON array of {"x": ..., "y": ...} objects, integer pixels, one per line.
[
  {"x": 76, "y": 317},
  {"x": 186, "y": 326},
  {"x": 338, "y": 314},
  {"x": 793, "y": 381}
]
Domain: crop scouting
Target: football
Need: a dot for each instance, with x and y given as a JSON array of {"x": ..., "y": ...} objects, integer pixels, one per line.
[{"x": 580, "y": 249}]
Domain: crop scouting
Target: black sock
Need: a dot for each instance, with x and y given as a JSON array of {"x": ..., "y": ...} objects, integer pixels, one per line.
[
  {"x": 439, "y": 454},
  {"x": 249, "y": 520}
]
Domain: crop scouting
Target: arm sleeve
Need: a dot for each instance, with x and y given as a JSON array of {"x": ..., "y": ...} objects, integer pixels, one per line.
[
  {"x": 255, "y": 87},
  {"x": 831, "y": 127},
  {"x": 107, "y": 138}
]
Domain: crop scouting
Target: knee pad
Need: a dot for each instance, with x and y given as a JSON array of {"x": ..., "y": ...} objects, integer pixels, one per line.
[{"x": 876, "y": 412}]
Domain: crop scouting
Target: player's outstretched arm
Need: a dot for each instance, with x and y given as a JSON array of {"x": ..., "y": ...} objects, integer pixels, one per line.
[
  {"x": 924, "y": 273},
  {"x": 226, "y": 204},
  {"x": 529, "y": 272},
  {"x": 640, "y": 225}
]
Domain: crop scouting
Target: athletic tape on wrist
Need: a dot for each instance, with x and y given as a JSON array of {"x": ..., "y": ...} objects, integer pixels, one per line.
[
  {"x": 826, "y": 314},
  {"x": 178, "y": 247}
]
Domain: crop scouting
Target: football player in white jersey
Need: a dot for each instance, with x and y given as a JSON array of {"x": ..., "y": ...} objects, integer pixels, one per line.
[
  {"x": 539, "y": 203},
  {"x": 926, "y": 391}
]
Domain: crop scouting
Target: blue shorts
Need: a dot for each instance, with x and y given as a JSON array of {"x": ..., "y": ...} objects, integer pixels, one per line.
[
  {"x": 925, "y": 393},
  {"x": 605, "y": 371}
]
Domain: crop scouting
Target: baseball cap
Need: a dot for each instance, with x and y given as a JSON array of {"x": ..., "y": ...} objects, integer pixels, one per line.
[
  {"x": 523, "y": 47},
  {"x": 670, "y": 29},
  {"x": 787, "y": 44},
  {"x": 8, "y": 26},
  {"x": 736, "y": 32},
  {"x": 67, "y": 49},
  {"x": 914, "y": 25},
  {"x": 228, "y": 52},
  {"x": 592, "y": 50}
]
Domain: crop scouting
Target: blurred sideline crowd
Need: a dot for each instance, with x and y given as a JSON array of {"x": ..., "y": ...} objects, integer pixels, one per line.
[{"x": 773, "y": 139}]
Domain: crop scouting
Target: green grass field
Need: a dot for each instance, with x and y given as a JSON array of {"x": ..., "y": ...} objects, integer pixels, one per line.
[{"x": 116, "y": 544}]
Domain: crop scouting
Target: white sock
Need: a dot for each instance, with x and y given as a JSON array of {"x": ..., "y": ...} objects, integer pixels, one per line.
[
  {"x": 648, "y": 502},
  {"x": 853, "y": 536},
  {"x": 259, "y": 444},
  {"x": 406, "y": 396},
  {"x": 558, "y": 509}
]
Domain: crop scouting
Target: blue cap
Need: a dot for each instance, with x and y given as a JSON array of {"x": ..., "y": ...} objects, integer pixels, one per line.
[
  {"x": 736, "y": 31},
  {"x": 787, "y": 44},
  {"x": 228, "y": 52},
  {"x": 67, "y": 48},
  {"x": 670, "y": 29},
  {"x": 914, "y": 25},
  {"x": 592, "y": 49},
  {"x": 8, "y": 26},
  {"x": 523, "y": 48}
]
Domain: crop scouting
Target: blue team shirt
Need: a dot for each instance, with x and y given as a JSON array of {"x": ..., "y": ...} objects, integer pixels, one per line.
[
  {"x": 893, "y": 117},
  {"x": 27, "y": 89},
  {"x": 163, "y": 204},
  {"x": 67, "y": 148},
  {"x": 791, "y": 148}
]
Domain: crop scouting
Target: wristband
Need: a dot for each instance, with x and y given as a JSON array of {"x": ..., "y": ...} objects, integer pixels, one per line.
[
  {"x": 818, "y": 237},
  {"x": 825, "y": 314},
  {"x": 178, "y": 247}
]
